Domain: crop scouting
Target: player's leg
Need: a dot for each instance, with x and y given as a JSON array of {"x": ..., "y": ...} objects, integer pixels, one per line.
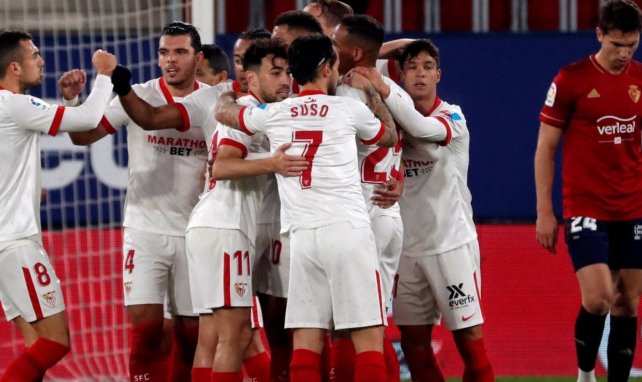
[
  {"x": 205, "y": 349},
  {"x": 272, "y": 277},
  {"x": 309, "y": 310},
  {"x": 588, "y": 246},
  {"x": 356, "y": 290},
  {"x": 388, "y": 231},
  {"x": 147, "y": 261},
  {"x": 454, "y": 276},
  {"x": 416, "y": 311},
  {"x": 31, "y": 295},
  {"x": 626, "y": 260},
  {"x": 185, "y": 329},
  {"x": 234, "y": 336},
  {"x": 257, "y": 360}
]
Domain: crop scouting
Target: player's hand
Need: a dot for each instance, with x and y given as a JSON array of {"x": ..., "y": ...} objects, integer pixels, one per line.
[
  {"x": 288, "y": 165},
  {"x": 376, "y": 79},
  {"x": 387, "y": 195},
  {"x": 356, "y": 80},
  {"x": 71, "y": 83},
  {"x": 546, "y": 230},
  {"x": 121, "y": 79},
  {"x": 104, "y": 62}
]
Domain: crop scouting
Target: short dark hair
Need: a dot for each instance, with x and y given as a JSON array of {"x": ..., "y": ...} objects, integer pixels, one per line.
[
  {"x": 333, "y": 10},
  {"x": 307, "y": 53},
  {"x": 255, "y": 34},
  {"x": 262, "y": 48},
  {"x": 10, "y": 49},
  {"x": 366, "y": 30},
  {"x": 216, "y": 58},
  {"x": 180, "y": 28},
  {"x": 413, "y": 49},
  {"x": 623, "y": 15},
  {"x": 299, "y": 20}
]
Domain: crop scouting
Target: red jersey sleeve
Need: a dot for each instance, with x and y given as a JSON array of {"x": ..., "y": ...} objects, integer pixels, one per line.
[{"x": 559, "y": 100}]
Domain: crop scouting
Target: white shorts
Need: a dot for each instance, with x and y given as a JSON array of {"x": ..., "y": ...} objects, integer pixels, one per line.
[
  {"x": 29, "y": 286},
  {"x": 272, "y": 270},
  {"x": 155, "y": 268},
  {"x": 388, "y": 232},
  {"x": 220, "y": 268},
  {"x": 257, "y": 314},
  {"x": 334, "y": 279},
  {"x": 445, "y": 284}
]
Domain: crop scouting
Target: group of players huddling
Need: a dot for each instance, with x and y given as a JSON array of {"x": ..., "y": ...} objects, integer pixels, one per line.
[{"x": 311, "y": 193}]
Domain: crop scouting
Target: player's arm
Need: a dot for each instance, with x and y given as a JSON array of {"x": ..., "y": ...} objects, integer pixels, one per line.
[
  {"x": 143, "y": 114},
  {"x": 546, "y": 226},
  {"x": 227, "y": 111},
  {"x": 389, "y": 194},
  {"x": 375, "y": 103},
  {"x": 393, "y": 49},
  {"x": 230, "y": 162}
]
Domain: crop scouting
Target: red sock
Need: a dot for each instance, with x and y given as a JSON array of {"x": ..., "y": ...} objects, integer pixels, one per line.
[
  {"x": 223, "y": 376},
  {"x": 305, "y": 366},
  {"x": 201, "y": 374},
  {"x": 370, "y": 366},
  {"x": 148, "y": 361},
  {"x": 342, "y": 360},
  {"x": 280, "y": 363},
  {"x": 32, "y": 364},
  {"x": 423, "y": 365},
  {"x": 477, "y": 365},
  {"x": 327, "y": 372},
  {"x": 392, "y": 362},
  {"x": 183, "y": 349},
  {"x": 258, "y": 367}
]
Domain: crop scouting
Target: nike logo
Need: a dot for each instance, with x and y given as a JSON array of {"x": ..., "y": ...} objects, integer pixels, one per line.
[{"x": 466, "y": 318}]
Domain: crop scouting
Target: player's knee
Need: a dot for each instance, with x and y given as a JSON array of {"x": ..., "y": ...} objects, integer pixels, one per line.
[
  {"x": 147, "y": 336},
  {"x": 410, "y": 338},
  {"x": 468, "y": 334},
  {"x": 626, "y": 304},
  {"x": 598, "y": 304}
]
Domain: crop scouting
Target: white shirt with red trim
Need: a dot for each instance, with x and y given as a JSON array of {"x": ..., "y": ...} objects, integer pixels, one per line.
[
  {"x": 232, "y": 204},
  {"x": 165, "y": 166},
  {"x": 323, "y": 129},
  {"x": 199, "y": 107},
  {"x": 377, "y": 165},
  {"x": 22, "y": 119},
  {"x": 436, "y": 204},
  {"x": 387, "y": 68}
]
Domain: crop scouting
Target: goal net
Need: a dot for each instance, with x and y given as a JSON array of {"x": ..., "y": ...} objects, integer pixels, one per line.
[{"x": 85, "y": 186}]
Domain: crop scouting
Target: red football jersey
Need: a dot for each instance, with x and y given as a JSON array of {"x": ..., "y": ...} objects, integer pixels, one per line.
[{"x": 599, "y": 113}]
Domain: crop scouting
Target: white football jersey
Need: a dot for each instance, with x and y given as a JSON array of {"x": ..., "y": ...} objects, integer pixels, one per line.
[
  {"x": 323, "y": 129},
  {"x": 199, "y": 107},
  {"x": 436, "y": 205},
  {"x": 232, "y": 204},
  {"x": 165, "y": 166},
  {"x": 377, "y": 164},
  {"x": 22, "y": 119}
]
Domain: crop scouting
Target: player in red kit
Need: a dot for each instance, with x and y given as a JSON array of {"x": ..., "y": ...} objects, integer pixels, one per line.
[{"x": 594, "y": 105}]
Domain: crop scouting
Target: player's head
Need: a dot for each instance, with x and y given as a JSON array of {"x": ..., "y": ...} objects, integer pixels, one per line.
[
  {"x": 358, "y": 39},
  {"x": 179, "y": 52},
  {"x": 420, "y": 69},
  {"x": 329, "y": 13},
  {"x": 20, "y": 59},
  {"x": 244, "y": 40},
  {"x": 292, "y": 24},
  {"x": 618, "y": 32},
  {"x": 215, "y": 66},
  {"x": 266, "y": 68},
  {"x": 313, "y": 58}
]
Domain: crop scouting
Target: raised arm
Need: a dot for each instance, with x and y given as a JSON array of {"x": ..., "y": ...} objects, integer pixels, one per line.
[
  {"x": 392, "y": 49},
  {"x": 376, "y": 105},
  {"x": 142, "y": 113},
  {"x": 227, "y": 110},
  {"x": 546, "y": 226}
]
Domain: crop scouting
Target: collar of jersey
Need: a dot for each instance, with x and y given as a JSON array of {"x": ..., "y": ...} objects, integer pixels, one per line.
[
  {"x": 434, "y": 106},
  {"x": 310, "y": 92},
  {"x": 168, "y": 96}
]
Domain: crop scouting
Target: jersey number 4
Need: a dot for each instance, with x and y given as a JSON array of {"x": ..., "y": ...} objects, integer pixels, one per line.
[{"x": 312, "y": 140}]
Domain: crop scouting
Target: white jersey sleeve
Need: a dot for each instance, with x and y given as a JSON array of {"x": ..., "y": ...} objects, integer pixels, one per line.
[
  {"x": 198, "y": 106},
  {"x": 35, "y": 114},
  {"x": 369, "y": 128}
]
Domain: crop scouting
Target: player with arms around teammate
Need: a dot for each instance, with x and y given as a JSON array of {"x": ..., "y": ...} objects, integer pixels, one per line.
[
  {"x": 220, "y": 234},
  {"x": 334, "y": 275},
  {"x": 594, "y": 107},
  {"x": 439, "y": 263},
  {"x": 29, "y": 288},
  {"x": 163, "y": 187}
]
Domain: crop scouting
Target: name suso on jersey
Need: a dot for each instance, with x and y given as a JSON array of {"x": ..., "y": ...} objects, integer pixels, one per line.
[{"x": 599, "y": 114}]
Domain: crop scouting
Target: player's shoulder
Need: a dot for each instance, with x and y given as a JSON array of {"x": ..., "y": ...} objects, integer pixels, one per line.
[
  {"x": 578, "y": 68},
  {"x": 455, "y": 112},
  {"x": 345, "y": 90},
  {"x": 248, "y": 100},
  {"x": 635, "y": 68}
]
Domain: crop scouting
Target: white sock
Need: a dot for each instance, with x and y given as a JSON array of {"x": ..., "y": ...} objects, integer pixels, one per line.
[{"x": 585, "y": 376}]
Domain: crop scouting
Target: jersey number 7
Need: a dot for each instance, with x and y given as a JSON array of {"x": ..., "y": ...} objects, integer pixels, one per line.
[{"x": 312, "y": 140}]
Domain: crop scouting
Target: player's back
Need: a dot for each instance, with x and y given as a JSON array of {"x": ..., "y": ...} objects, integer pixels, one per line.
[{"x": 323, "y": 129}]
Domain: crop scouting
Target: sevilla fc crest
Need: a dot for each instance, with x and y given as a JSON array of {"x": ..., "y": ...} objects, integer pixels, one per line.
[
  {"x": 50, "y": 298},
  {"x": 240, "y": 288},
  {"x": 128, "y": 286},
  {"x": 634, "y": 93}
]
